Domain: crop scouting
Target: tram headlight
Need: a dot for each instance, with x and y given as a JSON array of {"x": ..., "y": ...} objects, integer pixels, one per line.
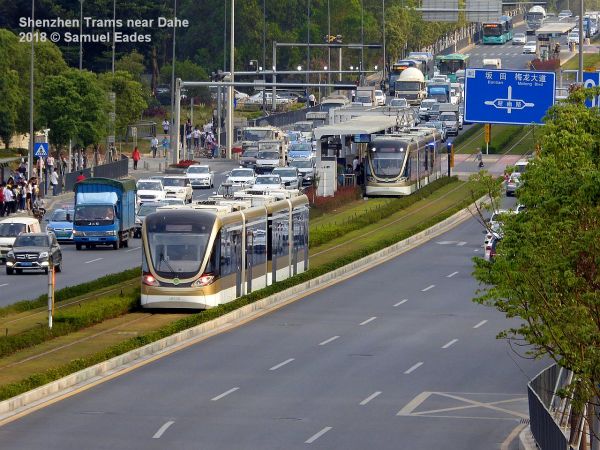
[
  {"x": 370, "y": 178},
  {"x": 204, "y": 280},
  {"x": 149, "y": 280}
]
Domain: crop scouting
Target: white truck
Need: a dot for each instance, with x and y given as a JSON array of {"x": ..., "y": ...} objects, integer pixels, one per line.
[
  {"x": 492, "y": 63},
  {"x": 411, "y": 86}
]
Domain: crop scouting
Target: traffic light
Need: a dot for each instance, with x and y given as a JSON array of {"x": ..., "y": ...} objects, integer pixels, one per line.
[
  {"x": 333, "y": 39},
  {"x": 218, "y": 75}
]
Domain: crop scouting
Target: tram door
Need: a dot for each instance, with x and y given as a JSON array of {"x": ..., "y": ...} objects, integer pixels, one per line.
[
  {"x": 249, "y": 259},
  {"x": 236, "y": 243}
]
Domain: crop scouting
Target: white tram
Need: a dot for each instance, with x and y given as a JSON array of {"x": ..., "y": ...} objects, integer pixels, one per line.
[
  {"x": 402, "y": 163},
  {"x": 211, "y": 253}
]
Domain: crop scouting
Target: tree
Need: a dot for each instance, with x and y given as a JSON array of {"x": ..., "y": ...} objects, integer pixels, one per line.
[
  {"x": 133, "y": 63},
  {"x": 11, "y": 99},
  {"x": 131, "y": 100},
  {"x": 74, "y": 106},
  {"x": 546, "y": 271},
  {"x": 187, "y": 71}
]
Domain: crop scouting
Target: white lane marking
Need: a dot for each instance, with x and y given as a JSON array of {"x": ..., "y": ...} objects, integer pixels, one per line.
[
  {"x": 451, "y": 275},
  {"x": 476, "y": 250},
  {"x": 461, "y": 243},
  {"x": 94, "y": 260},
  {"x": 287, "y": 361},
  {"x": 5, "y": 284},
  {"x": 480, "y": 324},
  {"x": 369, "y": 398},
  {"x": 162, "y": 429},
  {"x": 368, "y": 320},
  {"x": 431, "y": 286},
  {"x": 401, "y": 302},
  {"x": 327, "y": 341},
  {"x": 452, "y": 342},
  {"x": 314, "y": 437},
  {"x": 132, "y": 249},
  {"x": 413, "y": 368},
  {"x": 220, "y": 396}
]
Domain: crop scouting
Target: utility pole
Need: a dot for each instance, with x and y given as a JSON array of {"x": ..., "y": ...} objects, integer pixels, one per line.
[
  {"x": 230, "y": 87},
  {"x": 328, "y": 48},
  {"x": 384, "y": 56},
  {"x": 308, "y": 42},
  {"x": 264, "y": 58},
  {"x": 80, "y": 34},
  {"x": 31, "y": 132},
  {"x": 113, "y": 35},
  {"x": 174, "y": 125},
  {"x": 581, "y": 36}
]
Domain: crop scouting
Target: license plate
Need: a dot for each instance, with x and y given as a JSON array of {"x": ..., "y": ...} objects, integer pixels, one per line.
[{"x": 26, "y": 264}]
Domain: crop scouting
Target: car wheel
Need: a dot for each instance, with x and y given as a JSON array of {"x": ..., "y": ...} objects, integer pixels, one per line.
[
  {"x": 77, "y": 246},
  {"x": 19, "y": 271},
  {"x": 46, "y": 271},
  {"x": 126, "y": 243},
  {"x": 9, "y": 271},
  {"x": 115, "y": 245}
]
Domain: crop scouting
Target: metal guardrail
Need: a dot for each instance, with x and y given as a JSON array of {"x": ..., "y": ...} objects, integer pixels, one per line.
[
  {"x": 543, "y": 405},
  {"x": 285, "y": 118},
  {"x": 117, "y": 169}
]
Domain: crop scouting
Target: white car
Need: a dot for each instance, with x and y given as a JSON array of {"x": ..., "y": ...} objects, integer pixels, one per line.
[
  {"x": 399, "y": 102},
  {"x": 379, "y": 98},
  {"x": 268, "y": 182},
  {"x": 241, "y": 176},
  {"x": 290, "y": 176},
  {"x": 530, "y": 47},
  {"x": 573, "y": 37},
  {"x": 178, "y": 186},
  {"x": 150, "y": 190},
  {"x": 200, "y": 176},
  {"x": 519, "y": 39}
]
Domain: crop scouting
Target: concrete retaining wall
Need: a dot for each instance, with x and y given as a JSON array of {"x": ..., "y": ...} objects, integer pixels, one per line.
[{"x": 93, "y": 375}]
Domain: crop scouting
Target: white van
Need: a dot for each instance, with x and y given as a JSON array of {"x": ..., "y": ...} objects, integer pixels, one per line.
[{"x": 11, "y": 227}]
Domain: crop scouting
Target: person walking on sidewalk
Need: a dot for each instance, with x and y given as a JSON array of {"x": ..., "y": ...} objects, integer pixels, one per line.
[
  {"x": 165, "y": 125},
  {"x": 154, "y": 146},
  {"x": 54, "y": 181},
  {"x": 136, "y": 157},
  {"x": 80, "y": 177},
  {"x": 479, "y": 158}
]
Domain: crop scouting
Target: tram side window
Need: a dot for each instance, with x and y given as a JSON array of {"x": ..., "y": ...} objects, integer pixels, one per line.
[
  {"x": 431, "y": 158},
  {"x": 227, "y": 260},
  {"x": 300, "y": 229},
  {"x": 256, "y": 238},
  {"x": 426, "y": 159},
  {"x": 280, "y": 234}
]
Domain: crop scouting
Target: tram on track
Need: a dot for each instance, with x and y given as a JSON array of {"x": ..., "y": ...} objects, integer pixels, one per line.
[
  {"x": 204, "y": 255},
  {"x": 402, "y": 163}
]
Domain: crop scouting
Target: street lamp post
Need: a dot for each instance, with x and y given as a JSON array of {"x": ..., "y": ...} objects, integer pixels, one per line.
[
  {"x": 384, "y": 56},
  {"x": 31, "y": 133},
  {"x": 80, "y": 33},
  {"x": 174, "y": 125},
  {"x": 113, "y": 34},
  {"x": 264, "y": 61},
  {"x": 230, "y": 88}
]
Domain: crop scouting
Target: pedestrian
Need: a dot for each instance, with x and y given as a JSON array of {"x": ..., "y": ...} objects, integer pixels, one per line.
[
  {"x": 136, "y": 157},
  {"x": 479, "y": 158},
  {"x": 54, "y": 181},
  {"x": 196, "y": 138},
  {"x": 165, "y": 125},
  {"x": 353, "y": 95},
  {"x": 50, "y": 164},
  {"x": 9, "y": 198},
  {"x": 80, "y": 161},
  {"x": 154, "y": 145},
  {"x": 312, "y": 100},
  {"x": 2, "y": 204},
  {"x": 80, "y": 177},
  {"x": 355, "y": 164},
  {"x": 165, "y": 146},
  {"x": 28, "y": 188},
  {"x": 23, "y": 168}
]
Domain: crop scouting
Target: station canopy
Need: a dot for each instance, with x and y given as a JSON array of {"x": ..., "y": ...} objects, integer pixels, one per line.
[
  {"x": 359, "y": 125},
  {"x": 555, "y": 28}
]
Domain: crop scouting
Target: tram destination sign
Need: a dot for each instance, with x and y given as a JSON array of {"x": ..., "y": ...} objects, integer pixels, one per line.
[{"x": 509, "y": 97}]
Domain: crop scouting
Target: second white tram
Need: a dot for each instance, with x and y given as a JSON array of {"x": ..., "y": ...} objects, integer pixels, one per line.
[{"x": 400, "y": 164}]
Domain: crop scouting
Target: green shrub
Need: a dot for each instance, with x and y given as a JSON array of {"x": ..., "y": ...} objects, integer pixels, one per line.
[
  {"x": 70, "y": 292},
  {"x": 325, "y": 233},
  {"x": 39, "y": 379},
  {"x": 466, "y": 135},
  {"x": 70, "y": 320}
]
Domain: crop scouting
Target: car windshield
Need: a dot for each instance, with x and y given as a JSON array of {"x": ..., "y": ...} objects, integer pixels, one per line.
[
  {"x": 387, "y": 159},
  {"x": 447, "y": 116},
  {"x": 241, "y": 173},
  {"x": 303, "y": 147},
  {"x": 268, "y": 180},
  {"x": 149, "y": 186},
  {"x": 102, "y": 214},
  {"x": 301, "y": 164},
  {"x": 519, "y": 35},
  {"x": 250, "y": 153},
  {"x": 60, "y": 215},
  {"x": 146, "y": 209},
  {"x": 257, "y": 135},
  {"x": 31, "y": 241},
  {"x": 398, "y": 102},
  {"x": 178, "y": 253},
  {"x": 363, "y": 100},
  {"x": 287, "y": 173},
  {"x": 198, "y": 169},
  {"x": 11, "y": 229},
  {"x": 268, "y": 155},
  {"x": 180, "y": 182}
]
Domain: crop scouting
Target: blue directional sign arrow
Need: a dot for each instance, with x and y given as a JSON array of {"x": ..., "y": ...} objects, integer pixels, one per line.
[
  {"x": 590, "y": 80},
  {"x": 508, "y": 96},
  {"x": 40, "y": 149}
]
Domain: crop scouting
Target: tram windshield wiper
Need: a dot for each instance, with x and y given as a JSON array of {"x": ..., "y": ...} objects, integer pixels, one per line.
[{"x": 162, "y": 259}]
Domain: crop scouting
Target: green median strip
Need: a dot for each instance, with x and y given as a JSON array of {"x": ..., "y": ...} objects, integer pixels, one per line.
[{"x": 446, "y": 201}]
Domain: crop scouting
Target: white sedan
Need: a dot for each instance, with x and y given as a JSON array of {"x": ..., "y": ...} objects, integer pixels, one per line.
[
  {"x": 530, "y": 47},
  {"x": 379, "y": 98},
  {"x": 519, "y": 39},
  {"x": 178, "y": 186},
  {"x": 200, "y": 176},
  {"x": 241, "y": 176},
  {"x": 268, "y": 182}
]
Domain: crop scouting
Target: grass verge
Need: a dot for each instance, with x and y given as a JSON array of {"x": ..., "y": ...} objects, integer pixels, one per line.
[{"x": 591, "y": 62}]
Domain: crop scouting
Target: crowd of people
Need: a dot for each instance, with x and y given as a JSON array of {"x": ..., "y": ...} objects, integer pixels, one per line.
[{"x": 18, "y": 195}]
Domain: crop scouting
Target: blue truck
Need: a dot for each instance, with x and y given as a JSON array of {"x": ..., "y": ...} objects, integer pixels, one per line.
[
  {"x": 104, "y": 212},
  {"x": 439, "y": 92}
]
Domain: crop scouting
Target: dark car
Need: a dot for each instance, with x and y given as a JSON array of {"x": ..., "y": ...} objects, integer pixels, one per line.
[{"x": 34, "y": 251}]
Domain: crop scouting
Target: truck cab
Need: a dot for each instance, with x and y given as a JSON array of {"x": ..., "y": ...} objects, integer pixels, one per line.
[{"x": 411, "y": 86}]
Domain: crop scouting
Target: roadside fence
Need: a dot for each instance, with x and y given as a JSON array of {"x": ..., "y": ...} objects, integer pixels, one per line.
[
  {"x": 285, "y": 118},
  {"x": 117, "y": 169}
]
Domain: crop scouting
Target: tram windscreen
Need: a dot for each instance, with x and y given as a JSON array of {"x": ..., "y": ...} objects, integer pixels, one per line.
[
  {"x": 178, "y": 241},
  {"x": 387, "y": 159}
]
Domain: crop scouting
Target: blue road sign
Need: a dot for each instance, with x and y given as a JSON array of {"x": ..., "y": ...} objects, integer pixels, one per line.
[
  {"x": 40, "y": 149},
  {"x": 512, "y": 97},
  {"x": 590, "y": 80}
]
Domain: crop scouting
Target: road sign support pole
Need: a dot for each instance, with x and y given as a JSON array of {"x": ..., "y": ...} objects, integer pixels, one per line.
[
  {"x": 487, "y": 148},
  {"x": 51, "y": 281}
]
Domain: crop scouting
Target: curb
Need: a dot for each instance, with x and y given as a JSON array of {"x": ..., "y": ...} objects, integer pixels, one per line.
[
  {"x": 526, "y": 440},
  {"x": 42, "y": 396}
]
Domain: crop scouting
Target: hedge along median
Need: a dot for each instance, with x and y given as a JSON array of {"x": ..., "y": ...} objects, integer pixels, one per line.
[
  {"x": 70, "y": 292},
  {"x": 39, "y": 379},
  {"x": 70, "y": 320}
]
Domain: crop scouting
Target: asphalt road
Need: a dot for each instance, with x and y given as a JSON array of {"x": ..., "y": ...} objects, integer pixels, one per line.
[
  {"x": 87, "y": 265},
  {"x": 398, "y": 357}
]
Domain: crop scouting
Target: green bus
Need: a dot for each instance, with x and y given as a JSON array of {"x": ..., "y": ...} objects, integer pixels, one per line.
[
  {"x": 450, "y": 64},
  {"x": 499, "y": 31}
]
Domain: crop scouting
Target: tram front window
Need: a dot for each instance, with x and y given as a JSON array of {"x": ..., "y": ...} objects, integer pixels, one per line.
[
  {"x": 177, "y": 246},
  {"x": 387, "y": 160}
]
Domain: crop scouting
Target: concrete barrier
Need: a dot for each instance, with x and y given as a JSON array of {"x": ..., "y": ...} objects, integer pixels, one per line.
[{"x": 49, "y": 393}]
